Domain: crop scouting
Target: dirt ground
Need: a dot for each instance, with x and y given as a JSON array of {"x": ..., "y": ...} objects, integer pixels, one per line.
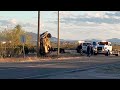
[
  {"x": 70, "y": 54},
  {"x": 29, "y": 57}
]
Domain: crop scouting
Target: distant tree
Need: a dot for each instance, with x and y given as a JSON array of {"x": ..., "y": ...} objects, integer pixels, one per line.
[
  {"x": 17, "y": 32},
  {"x": 18, "y": 27},
  {"x": 12, "y": 37}
]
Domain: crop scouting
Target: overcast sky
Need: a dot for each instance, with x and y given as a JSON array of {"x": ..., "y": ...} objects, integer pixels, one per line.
[{"x": 75, "y": 25}]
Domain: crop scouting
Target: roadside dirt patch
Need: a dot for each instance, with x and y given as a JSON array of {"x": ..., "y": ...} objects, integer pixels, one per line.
[{"x": 18, "y": 59}]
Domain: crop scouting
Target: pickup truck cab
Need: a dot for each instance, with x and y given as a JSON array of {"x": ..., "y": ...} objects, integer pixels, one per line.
[{"x": 104, "y": 47}]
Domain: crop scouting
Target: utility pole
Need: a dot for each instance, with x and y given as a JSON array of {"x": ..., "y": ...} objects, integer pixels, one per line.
[
  {"x": 58, "y": 45},
  {"x": 38, "y": 37}
]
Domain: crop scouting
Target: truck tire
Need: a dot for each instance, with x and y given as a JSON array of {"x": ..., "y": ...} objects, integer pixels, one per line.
[
  {"x": 95, "y": 53},
  {"x": 116, "y": 54},
  {"x": 107, "y": 53}
]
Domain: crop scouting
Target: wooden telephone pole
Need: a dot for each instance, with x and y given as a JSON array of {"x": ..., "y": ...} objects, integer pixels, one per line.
[
  {"x": 38, "y": 37},
  {"x": 58, "y": 45}
]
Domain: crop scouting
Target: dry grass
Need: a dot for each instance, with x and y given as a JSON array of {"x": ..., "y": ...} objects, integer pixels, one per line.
[
  {"x": 34, "y": 58},
  {"x": 116, "y": 47},
  {"x": 20, "y": 59}
]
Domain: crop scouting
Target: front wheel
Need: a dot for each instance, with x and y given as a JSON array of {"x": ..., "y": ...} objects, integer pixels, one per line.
[
  {"x": 107, "y": 53},
  {"x": 95, "y": 53}
]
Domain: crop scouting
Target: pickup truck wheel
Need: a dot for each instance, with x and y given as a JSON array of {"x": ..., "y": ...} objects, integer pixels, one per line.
[
  {"x": 116, "y": 54},
  {"x": 107, "y": 53},
  {"x": 95, "y": 53}
]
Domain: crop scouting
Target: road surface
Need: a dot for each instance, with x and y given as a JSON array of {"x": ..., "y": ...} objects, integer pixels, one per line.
[{"x": 75, "y": 67}]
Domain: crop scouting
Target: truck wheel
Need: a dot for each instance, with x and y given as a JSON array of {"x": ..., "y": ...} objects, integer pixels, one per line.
[
  {"x": 107, "y": 53},
  {"x": 116, "y": 54},
  {"x": 95, "y": 53}
]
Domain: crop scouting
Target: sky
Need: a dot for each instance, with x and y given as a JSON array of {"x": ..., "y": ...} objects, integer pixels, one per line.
[{"x": 74, "y": 25}]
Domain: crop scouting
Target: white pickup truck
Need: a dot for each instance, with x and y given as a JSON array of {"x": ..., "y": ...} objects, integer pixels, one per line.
[
  {"x": 84, "y": 46},
  {"x": 93, "y": 44},
  {"x": 102, "y": 47},
  {"x": 105, "y": 47}
]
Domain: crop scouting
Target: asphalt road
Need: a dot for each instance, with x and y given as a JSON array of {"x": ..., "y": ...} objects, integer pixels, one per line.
[{"x": 44, "y": 69}]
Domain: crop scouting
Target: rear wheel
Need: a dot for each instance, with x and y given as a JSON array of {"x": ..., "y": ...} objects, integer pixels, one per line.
[
  {"x": 95, "y": 53},
  {"x": 116, "y": 54}
]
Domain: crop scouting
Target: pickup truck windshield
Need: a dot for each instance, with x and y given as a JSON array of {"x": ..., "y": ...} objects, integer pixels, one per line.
[{"x": 85, "y": 44}]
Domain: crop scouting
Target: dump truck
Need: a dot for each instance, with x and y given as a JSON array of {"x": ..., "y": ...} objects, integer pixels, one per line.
[{"x": 45, "y": 45}]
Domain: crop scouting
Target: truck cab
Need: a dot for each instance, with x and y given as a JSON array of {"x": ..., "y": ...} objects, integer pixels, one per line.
[
  {"x": 84, "y": 46},
  {"x": 104, "y": 47},
  {"x": 95, "y": 44}
]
